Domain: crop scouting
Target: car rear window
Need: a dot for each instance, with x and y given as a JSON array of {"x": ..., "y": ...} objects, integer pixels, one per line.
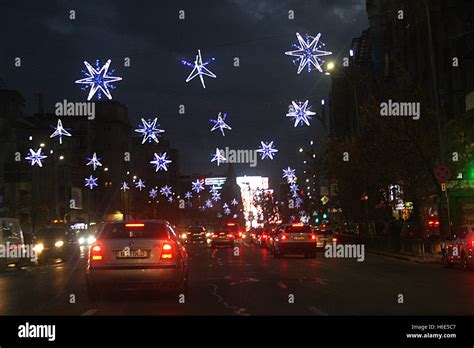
[
  {"x": 134, "y": 230},
  {"x": 51, "y": 233},
  {"x": 298, "y": 229}
]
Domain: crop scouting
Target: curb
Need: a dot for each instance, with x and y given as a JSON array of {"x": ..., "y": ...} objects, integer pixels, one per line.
[{"x": 404, "y": 257}]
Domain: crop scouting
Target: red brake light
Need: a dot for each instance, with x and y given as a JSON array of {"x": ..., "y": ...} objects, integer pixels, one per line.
[
  {"x": 472, "y": 244},
  {"x": 96, "y": 252},
  {"x": 240, "y": 234},
  {"x": 230, "y": 224},
  {"x": 297, "y": 225},
  {"x": 313, "y": 237},
  {"x": 230, "y": 235},
  {"x": 264, "y": 236},
  {"x": 283, "y": 237},
  {"x": 334, "y": 240},
  {"x": 214, "y": 236},
  {"x": 167, "y": 251},
  {"x": 134, "y": 225}
]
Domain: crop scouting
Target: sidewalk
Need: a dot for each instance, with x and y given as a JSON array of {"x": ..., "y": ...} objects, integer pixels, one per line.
[{"x": 427, "y": 259}]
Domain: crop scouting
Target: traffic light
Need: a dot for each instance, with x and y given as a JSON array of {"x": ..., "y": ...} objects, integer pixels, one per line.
[{"x": 470, "y": 170}]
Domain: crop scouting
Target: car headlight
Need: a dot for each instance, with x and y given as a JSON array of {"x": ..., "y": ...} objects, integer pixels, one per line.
[
  {"x": 82, "y": 240},
  {"x": 90, "y": 240},
  {"x": 208, "y": 234},
  {"x": 59, "y": 244},
  {"x": 38, "y": 247}
]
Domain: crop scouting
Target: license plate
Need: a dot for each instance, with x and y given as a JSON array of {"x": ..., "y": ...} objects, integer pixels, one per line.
[
  {"x": 222, "y": 237},
  {"x": 132, "y": 254},
  {"x": 299, "y": 238}
]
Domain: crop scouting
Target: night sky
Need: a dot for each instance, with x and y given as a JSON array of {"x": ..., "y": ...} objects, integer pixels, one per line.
[{"x": 255, "y": 95}]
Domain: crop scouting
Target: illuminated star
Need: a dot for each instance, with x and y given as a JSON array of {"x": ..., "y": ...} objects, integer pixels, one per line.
[
  {"x": 150, "y": 131},
  {"x": 35, "y": 157},
  {"x": 227, "y": 211},
  {"x": 160, "y": 162},
  {"x": 218, "y": 157},
  {"x": 301, "y": 113},
  {"x": 124, "y": 187},
  {"x": 170, "y": 199},
  {"x": 308, "y": 52},
  {"x": 166, "y": 191},
  {"x": 220, "y": 124},
  {"x": 225, "y": 205},
  {"x": 208, "y": 203},
  {"x": 98, "y": 79},
  {"x": 234, "y": 202},
  {"x": 289, "y": 174},
  {"x": 188, "y": 195},
  {"x": 91, "y": 182},
  {"x": 60, "y": 131},
  {"x": 216, "y": 196},
  {"x": 140, "y": 184},
  {"x": 94, "y": 161},
  {"x": 197, "y": 186},
  {"x": 267, "y": 150},
  {"x": 153, "y": 193},
  {"x": 199, "y": 69}
]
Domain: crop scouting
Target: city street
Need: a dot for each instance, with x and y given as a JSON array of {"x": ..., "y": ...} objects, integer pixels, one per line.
[{"x": 254, "y": 283}]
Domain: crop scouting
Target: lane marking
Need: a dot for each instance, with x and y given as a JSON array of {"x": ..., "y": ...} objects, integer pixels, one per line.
[
  {"x": 282, "y": 285},
  {"x": 316, "y": 311},
  {"x": 234, "y": 309},
  {"x": 90, "y": 312}
]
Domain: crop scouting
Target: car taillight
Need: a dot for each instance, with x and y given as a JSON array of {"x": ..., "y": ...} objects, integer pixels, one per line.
[
  {"x": 134, "y": 225},
  {"x": 240, "y": 234},
  {"x": 264, "y": 236},
  {"x": 96, "y": 252},
  {"x": 283, "y": 237},
  {"x": 167, "y": 251},
  {"x": 313, "y": 237},
  {"x": 214, "y": 236},
  {"x": 472, "y": 244},
  {"x": 334, "y": 240},
  {"x": 230, "y": 235}
]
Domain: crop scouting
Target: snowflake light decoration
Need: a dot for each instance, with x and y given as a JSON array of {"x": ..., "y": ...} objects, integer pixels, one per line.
[
  {"x": 161, "y": 162},
  {"x": 94, "y": 161},
  {"x": 98, "y": 80},
  {"x": 199, "y": 69},
  {"x": 227, "y": 211},
  {"x": 153, "y": 193},
  {"x": 308, "y": 52},
  {"x": 91, "y": 182},
  {"x": 150, "y": 131},
  {"x": 140, "y": 184},
  {"x": 289, "y": 174},
  {"x": 188, "y": 195},
  {"x": 225, "y": 205},
  {"x": 166, "y": 191},
  {"x": 216, "y": 196},
  {"x": 197, "y": 186},
  {"x": 35, "y": 157},
  {"x": 301, "y": 113},
  {"x": 220, "y": 123},
  {"x": 218, "y": 157},
  {"x": 60, "y": 131},
  {"x": 170, "y": 199},
  {"x": 124, "y": 187},
  {"x": 234, "y": 202},
  {"x": 267, "y": 150},
  {"x": 208, "y": 203}
]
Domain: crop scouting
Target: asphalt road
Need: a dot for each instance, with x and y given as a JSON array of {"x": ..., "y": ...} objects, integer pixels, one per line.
[{"x": 254, "y": 283}]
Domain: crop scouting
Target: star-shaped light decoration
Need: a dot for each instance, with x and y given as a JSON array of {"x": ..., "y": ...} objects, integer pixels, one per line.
[
  {"x": 150, "y": 131},
  {"x": 188, "y": 195},
  {"x": 91, "y": 182},
  {"x": 197, "y": 186},
  {"x": 227, "y": 211},
  {"x": 208, "y": 203},
  {"x": 98, "y": 80},
  {"x": 161, "y": 161},
  {"x": 60, "y": 131},
  {"x": 35, "y": 157},
  {"x": 289, "y": 174},
  {"x": 301, "y": 113},
  {"x": 199, "y": 69},
  {"x": 225, "y": 205},
  {"x": 153, "y": 193},
  {"x": 124, "y": 187},
  {"x": 217, "y": 157},
  {"x": 216, "y": 196},
  {"x": 308, "y": 52},
  {"x": 267, "y": 150},
  {"x": 220, "y": 123},
  {"x": 234, "y": 202},
  {"x": 140, "y": 184},
  {"x": 170, "y": 199},
  {"x": 166, "y": 191},
  {"x": 94, "y": 161}
]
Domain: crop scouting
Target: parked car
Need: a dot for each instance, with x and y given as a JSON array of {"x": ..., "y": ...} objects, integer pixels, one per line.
[{"x": 460, "y": 248}]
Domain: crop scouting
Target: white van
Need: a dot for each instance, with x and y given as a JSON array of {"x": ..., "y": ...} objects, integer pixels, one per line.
[{"x": 10, "y": 234}]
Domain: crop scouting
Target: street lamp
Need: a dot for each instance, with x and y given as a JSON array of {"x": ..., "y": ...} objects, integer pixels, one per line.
[{"x": 301, "y": 149}]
